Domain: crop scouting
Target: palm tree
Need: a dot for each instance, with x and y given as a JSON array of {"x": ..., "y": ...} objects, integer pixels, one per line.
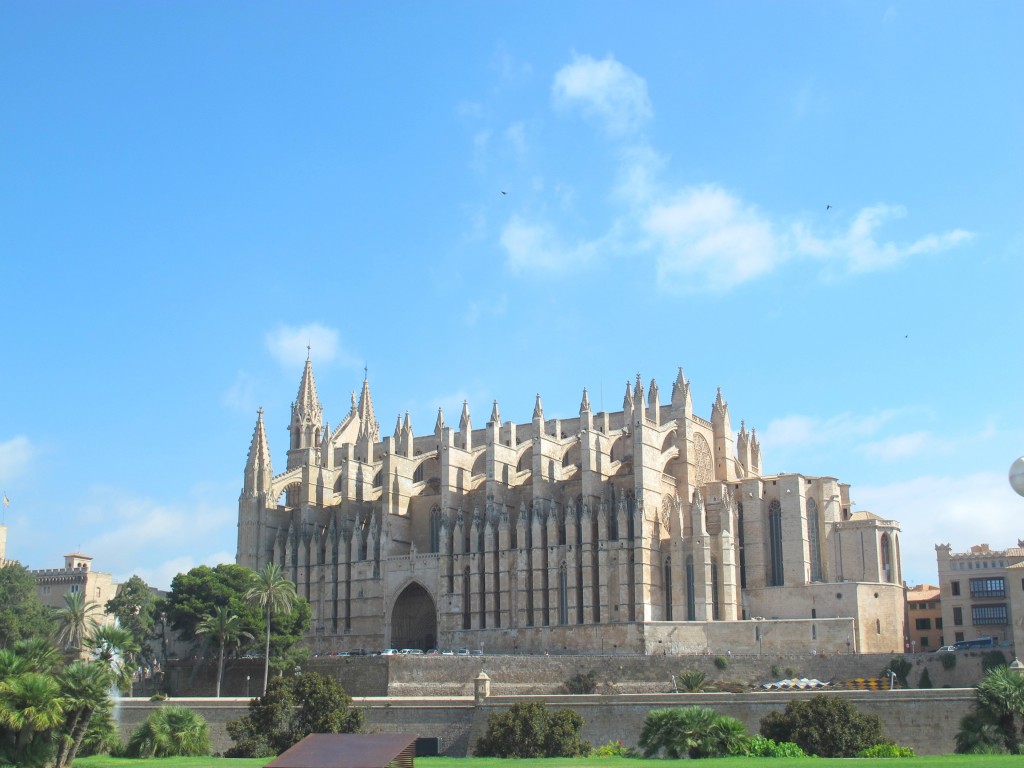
[
  {"x": 76, "y": 619},
  {"x": 691, "y": 732},
  {"x": 30, "y": 705},
  {"x": 39, "y": 655},
  {"x": 227, "y": 629},
  {"x": 271, "y": 591},
  {"x": 116, "y": 649},
  {"x": 171, "y": 732},
  {"x": 1001, "y": 695},
  {"x": 86, "y": 690}
]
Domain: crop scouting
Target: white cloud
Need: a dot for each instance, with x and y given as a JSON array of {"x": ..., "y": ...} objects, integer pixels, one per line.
[
  {"x": 241, "y": 395},
  {"x": 16, "y": 457},
  {"x": 959, "y": 511},
  {"x": 537, "y": 246},
  {"x": 606, "y": 90},
  {"x": 906, "y": 446},
  {"x": 288, "y": 345},
  {"x": 706, "y": 238},
  {"x": 808, "y": 430},
  {"x": 858, "y": 250}
]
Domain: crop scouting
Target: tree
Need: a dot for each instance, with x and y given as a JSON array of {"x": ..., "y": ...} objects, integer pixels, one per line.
[
  {"x": 114, "y": 648},
  {"x": 1000, "y": 702},
  {"x": 528, "y": 729},
  {"x": 827, "y": 726},
  {"x": 979, "y": 734},
  {"x": 75, "y": 620},
  {"x": 692, "y": 732},
  {"x": 30, "y": 709},
  {"x": 85, "y": 687},
  {"x": 171, "y": 731},
  {"x": 22, "y": 614},
  {"x": 134, "y": 605},
  {"x": 272, "y": 592},
  {"x": 226, "y": 629},
  {"x": 291, "y": 709}
]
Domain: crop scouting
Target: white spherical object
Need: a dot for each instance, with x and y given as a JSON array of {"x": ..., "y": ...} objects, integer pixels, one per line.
[{"x": 1017, "y": 475}]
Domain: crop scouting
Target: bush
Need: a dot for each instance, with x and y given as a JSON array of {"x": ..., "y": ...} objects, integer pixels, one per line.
[
  {"x": 612, "y": 749},
  {"x": 759, "y": 746},
  {"x": 581, "y": 684},
  {"x": 900, "y": 667},
  {"x": 291, "y": 709},
  {"x": 691, "y": 681},
  {"x": 827, "y": 726},
  {"x": 992, "y": 660},
  {"x": 721, "y": 662},
  {"x": 528, "y": 729},
  {"x": 886, "y": 750},
  {"x": 692, "y": 732},
  {"x": 925, "y": 680},
  {"x": 948, "y": 660},
  {"x": 171, "y": 732},
  {"x": 776, "y": 671}
]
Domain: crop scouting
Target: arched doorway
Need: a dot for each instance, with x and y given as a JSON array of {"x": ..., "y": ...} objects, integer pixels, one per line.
[{"x": 414, "y": 619}]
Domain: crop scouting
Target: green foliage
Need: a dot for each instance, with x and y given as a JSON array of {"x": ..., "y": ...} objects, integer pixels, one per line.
[
  {"x": 991, "y": 660},
  {"x": 886, "y": 750},
  {"x": 900, "y": 667},
  {"x": 827, "y": 726},
  {"x": 171, "y": 731},
  {"x": 101, "y": 735},
  {"x": 925, "y": 680},
  {"x": 759, "y": 746},
  {"x": 999, "y": 713},
  {"x": 948, "y": 660},
  {"x": 270, "y": 590},
  {"x": 581, "y": 683},
  {"x": 291, "y": 709},
  {"x": 612, "y": 749},
  {"x": 225, "y": 629},
  {"x": 790, "y": 672},
  {"x": 528, "y": 729},
  {"x": 22, "y": 614},
  {"x": 134, "y": 605},
  {"x": 776, "y": 671},
  {"x": 691, "y": 681},
  {"x": 721, "y": 662},
  {"x": 693, "y": 732}
]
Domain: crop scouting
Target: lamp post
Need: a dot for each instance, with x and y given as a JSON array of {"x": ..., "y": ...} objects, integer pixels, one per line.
[{"x": 247, "y": 686}]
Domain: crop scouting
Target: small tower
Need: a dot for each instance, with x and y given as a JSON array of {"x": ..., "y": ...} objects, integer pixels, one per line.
[
  {"x": 466, "y": 427},
  {"x": 682, "y": 403},
  {"x": 369, "y": 429},
  {"x": 306, "y": 426},
  {"x": 255, "y": 497}
]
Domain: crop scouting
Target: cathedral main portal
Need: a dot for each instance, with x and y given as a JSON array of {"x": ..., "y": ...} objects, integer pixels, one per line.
[{"x": 414, "y": 619}]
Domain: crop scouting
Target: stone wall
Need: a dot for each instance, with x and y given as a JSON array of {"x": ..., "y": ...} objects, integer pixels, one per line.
[{"x": 924, "y": 720}]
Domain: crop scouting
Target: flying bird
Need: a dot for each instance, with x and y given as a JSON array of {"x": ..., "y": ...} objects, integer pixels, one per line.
[
  {"x": 827, "y": 207},
  {"x": 504, "y": 192}
]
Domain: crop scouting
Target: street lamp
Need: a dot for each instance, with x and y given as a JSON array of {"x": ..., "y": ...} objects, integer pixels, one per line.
[{"x": 247, "y": 686}]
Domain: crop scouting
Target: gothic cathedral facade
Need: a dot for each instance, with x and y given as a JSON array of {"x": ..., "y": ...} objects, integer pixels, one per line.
[{"x": 648, "y": 530}]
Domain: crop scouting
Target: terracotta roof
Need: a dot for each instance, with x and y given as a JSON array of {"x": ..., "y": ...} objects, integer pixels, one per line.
[{"x": 345, "y": 750}]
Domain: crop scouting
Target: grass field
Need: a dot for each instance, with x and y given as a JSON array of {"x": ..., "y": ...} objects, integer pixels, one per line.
[{"x": 940, "y": 761}]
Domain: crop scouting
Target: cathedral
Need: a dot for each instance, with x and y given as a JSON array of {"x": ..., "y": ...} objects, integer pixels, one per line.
[{"x": 649, "y": 530}]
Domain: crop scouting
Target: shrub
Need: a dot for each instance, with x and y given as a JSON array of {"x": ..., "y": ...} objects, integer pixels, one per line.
[
  {"x": 886, "y": 750},
  {"x": 612, "y": 749},
  {"x": 827, "y": 726},
  {"x": 528, "y": 729},
  {"x": 925, "y": 680},
  {"x": 692, "y": 732},
  {"x": 721, "y": 662},
  {"x": 790, "y": 672},
  {"x": 759, "y": 746},
  {"x": 948, "y": 660},
  {"x": 776, "y": 671},
  {"x": 691, "y": 681},
  {"x": 171, "y": 732},
  {"x": 291, "y": 709},
  {"x": 992, "y": 660},
  {"x": 900, "y": 667},
  {"x": 158, "y": 697},
  {"x": 996, "y": 719},
  {"x": 581, "y": 684}
]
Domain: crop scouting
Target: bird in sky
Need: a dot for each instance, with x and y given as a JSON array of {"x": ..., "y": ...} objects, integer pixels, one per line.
[
  {"x": 504, "y": 192},
  {"x": 827, "y": 207}
]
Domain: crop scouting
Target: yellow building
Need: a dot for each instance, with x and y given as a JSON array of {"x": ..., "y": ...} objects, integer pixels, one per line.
[
  {"x": 77, "y": 576},
  {"x": 924, "y": 618}
]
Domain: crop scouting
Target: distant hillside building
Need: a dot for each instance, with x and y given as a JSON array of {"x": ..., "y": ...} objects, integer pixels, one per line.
[
  {"x": 924, "y": 618},
  {"x": 982, "y": 592},
  {"x": 647, "y": 530}
]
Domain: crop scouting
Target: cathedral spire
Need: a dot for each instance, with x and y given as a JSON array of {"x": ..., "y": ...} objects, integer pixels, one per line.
[
  {"x": 495, "y": 415},
  {"x": 258, "y": 473},
  {"x": 368, "y": 426},
  {"x": 439, "y": 424},
  {"x": 638, "y": 394},
  {"x": 585, "y": 402},
  {"x": 538, "y": 409},
  {"x": 464, "y": 420},
  {"x": 307, "y": 404}
]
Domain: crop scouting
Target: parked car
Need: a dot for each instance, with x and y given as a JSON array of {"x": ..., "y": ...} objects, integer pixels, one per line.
[
  {"x": 411, "y": 652},
  {"x": 946, "y": 649},
  {"x": 433, "y": 652},
  {"x": 389, "y": 652},
  {"x": 447, "y": 653},
  {"x": 462, "y": 652},
  {"x": 476, "y": 652}
]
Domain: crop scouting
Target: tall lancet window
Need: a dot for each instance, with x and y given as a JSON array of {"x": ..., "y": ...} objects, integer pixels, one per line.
[
  {"x": 814, "y": 539},
  {"x": 887, "y": 572},
  {"x": 435, "y": 530},
  {"x": 742, "y": 547},
  {"x": 775, "y": 575},
  {"x": 668, "y": 589},
  {"x": 691, "y": 594},
  {"x": 715, "y": 613},
  {"x": 563, "y": 594},
  {"x": 467, "y": 609}
]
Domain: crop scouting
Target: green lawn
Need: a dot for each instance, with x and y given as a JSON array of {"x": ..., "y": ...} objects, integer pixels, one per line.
[{"x": 942, "y": 761}]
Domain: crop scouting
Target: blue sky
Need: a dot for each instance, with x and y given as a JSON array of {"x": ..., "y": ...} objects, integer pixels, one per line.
[{"x": 190, "y": 193}]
